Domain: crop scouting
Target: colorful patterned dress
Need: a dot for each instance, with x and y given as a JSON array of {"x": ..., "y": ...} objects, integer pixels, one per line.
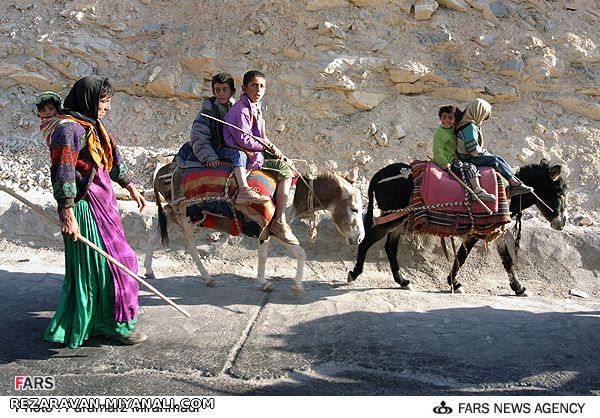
[{"x": 97, "y": 298}]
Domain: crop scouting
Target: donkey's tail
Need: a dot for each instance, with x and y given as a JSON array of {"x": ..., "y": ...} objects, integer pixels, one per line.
[
  {"x": 162, "y": 217},
  {"x": 162, "y": 223},
  {"x": 517, "y": 232}
]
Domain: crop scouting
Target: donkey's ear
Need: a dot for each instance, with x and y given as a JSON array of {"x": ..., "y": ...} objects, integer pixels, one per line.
[
  {"x": 555, "y": 172},
  {"x": 544, "y": 161},
  {"x": 353, "y": 175}
]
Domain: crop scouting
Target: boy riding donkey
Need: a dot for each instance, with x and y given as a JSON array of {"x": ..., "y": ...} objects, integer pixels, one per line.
[{"x": 223, "y": 131}]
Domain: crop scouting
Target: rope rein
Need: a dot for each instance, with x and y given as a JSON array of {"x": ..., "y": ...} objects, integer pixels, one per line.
[{"x": 414, "y": 208}]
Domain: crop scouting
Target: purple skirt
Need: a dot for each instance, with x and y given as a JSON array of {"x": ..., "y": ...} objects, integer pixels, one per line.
[{"x": 104, "y": 207}]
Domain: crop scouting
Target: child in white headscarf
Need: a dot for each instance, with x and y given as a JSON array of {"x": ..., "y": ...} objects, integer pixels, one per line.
[{"x": 469, "y": 145}]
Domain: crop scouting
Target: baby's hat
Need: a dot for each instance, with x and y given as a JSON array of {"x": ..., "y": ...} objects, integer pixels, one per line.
[{"x": 48, "y": 97}]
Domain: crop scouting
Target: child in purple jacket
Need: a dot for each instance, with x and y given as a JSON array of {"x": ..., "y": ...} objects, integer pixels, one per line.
[{"x": 247, "y": 153}]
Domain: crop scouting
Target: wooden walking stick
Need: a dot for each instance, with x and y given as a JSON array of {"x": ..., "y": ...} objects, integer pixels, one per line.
[
  {"x": 97, "y": 249},
  {"x": 489, "y": 211}
]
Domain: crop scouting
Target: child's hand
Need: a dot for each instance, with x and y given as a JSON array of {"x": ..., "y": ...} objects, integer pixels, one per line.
[{"x": 276, "y": 152}]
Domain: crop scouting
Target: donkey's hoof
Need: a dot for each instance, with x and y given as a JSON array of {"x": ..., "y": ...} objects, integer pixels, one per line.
[
  {"x": 524, "y": 294},
  {"x": 298, "y": 291},
  {"x": 460, "y": 290},
  {"x": 408, "y": 286},
  {"x": 150, "y": 276},
  {"x": 351, "y": 277},
  {"x": 211, "y": 283},
  {"x": 267, "y": 287}
]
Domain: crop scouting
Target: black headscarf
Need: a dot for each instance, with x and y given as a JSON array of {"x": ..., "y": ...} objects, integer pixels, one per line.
[{"x": 82, "y": 101}]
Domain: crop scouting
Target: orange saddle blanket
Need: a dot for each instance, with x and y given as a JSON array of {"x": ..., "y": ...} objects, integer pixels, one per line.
[{"x": 209, "y": 188}]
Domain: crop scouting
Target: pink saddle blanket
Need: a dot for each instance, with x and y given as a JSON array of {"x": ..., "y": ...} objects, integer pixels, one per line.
[{"x": 439, "y": 186}]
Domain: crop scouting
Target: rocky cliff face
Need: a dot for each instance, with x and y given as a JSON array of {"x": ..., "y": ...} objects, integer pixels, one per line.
[{"x": 350, "y": 82}]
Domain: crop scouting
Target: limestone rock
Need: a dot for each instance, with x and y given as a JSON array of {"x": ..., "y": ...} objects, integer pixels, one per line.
[
  {"x": 458, "y": 5},
  {"x": 163, "y": 83},
  {"x": 580, "y": 51},
  {"x": 409, "y": 72},
  {"x": 200, "y": 61},
  {"x": 365, "y": 100},
  {"x": 361, "y": 157},
  {"x": 405, "y": 5},
  {"x": 484, "y": 40},
  {"x": 8, "y": 69},
  {"x": 414, "y": 78},
  {"x": 425, "y": 8},
  {"x": 578, "y": 105},
  {"x": 140, "y": 56},
  {"x": 77, "y": 15},
  {"x": 398, "y": 132},
  {"x": 153, "y": 29},
  {"x": 512, "y": 67},
  {"x": 417, "y": 87},
  {"x": 499, "y": 9},
  {"x": 189, "y": 87},
  {"x": 327, "y": 63},
  {"x": 375, "y": 64},
  {"x": 313, "y": 5},
  {"x": 589, "y": 91},
  {"x": 292, "y": 53},
  {"x": 543, "y": 63},
  {"x": 258, "y": 26},
  {"x": 6, "y": 48},
  {"x": 525, "y": 155},
  {"x": 334, "y": 81},
  {"x": 367, "y": 3},
  {"x": 35, "y": 80},
  {"x": 539, "y": 129},
  {"x": 440, "y": 41},
  {"x": 328, "y": 28},
  {"x": 382, "y": 140},
  {"x": 484, "y": 7}
]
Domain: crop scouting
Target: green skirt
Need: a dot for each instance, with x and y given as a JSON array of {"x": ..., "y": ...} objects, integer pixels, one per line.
[{"x": 87, "y": 300}]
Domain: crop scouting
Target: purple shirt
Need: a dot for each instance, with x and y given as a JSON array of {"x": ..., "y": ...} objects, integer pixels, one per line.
[{"x": 248, "y": 119}]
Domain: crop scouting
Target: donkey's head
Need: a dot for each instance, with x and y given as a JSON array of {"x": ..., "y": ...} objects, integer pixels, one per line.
[
  {"x": 346, "y": 208},
  {"x": 548, "y": 184}
]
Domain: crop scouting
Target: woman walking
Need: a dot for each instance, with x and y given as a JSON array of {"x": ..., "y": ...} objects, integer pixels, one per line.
[{"x": 97, "y": 298}]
